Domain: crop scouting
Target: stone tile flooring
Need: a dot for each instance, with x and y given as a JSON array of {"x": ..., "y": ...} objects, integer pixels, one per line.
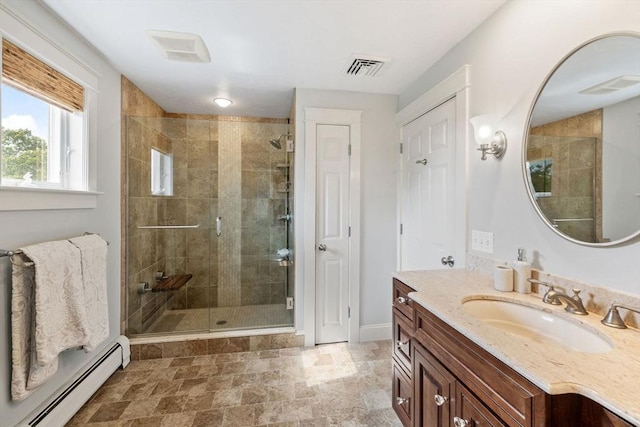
[{"x": 329, "y": 385}]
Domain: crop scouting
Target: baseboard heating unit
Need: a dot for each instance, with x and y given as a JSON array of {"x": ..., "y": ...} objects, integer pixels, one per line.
[{"x": 69, "y": 398}]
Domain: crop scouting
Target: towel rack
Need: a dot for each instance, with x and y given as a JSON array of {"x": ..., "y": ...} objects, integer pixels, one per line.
[
  {"x": 167, "y": 227},
  {"x": 10, "y": 254}
]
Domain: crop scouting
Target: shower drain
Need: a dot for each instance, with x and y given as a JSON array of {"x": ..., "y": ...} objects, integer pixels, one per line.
[{"x": 221, "y": 322}]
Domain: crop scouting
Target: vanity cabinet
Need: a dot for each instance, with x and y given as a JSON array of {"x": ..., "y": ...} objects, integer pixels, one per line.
[
  {"x": 443, "y": 379},
  {"x": 402, "y": 390}
]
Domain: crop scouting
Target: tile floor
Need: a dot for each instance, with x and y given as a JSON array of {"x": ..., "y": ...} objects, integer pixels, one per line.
[{"x": 328, "y": 385}]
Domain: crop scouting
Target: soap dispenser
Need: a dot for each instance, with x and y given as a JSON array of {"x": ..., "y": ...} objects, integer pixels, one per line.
[{"x": 521, "y": 272}]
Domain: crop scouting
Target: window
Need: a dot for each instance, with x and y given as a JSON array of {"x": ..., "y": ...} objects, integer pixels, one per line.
[
  {"x": 540, "y": 172},
  {"x": 43, "y": 143}
]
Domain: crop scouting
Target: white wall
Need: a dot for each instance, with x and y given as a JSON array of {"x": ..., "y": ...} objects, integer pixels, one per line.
[
  {"x": 23, "y": 228},
  {"x": 621, "y": 171},
  {"x": 378, "y": 188},
  {"x": 510, "y": 56}
]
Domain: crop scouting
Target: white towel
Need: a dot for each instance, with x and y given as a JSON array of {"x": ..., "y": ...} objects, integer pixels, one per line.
[
  {"x": 93, "y": 255},
  {"x": 48, "y": 313}
]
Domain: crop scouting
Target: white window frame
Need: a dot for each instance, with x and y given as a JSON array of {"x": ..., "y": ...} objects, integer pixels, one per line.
[{"x": 27, "y": 37}]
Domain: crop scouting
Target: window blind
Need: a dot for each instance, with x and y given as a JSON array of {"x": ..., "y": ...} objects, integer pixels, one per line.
[{"x": 28, "y": 73}]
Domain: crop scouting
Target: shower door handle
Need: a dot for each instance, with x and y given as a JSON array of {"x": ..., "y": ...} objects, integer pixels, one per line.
[{"x": 218, "y": 226}]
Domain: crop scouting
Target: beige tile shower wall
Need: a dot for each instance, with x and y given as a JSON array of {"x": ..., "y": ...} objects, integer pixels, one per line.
[
  {"x": 587, "y": 125},
  {"x": 229, "y": 190},
  {"x": 146, "y": 253},
  {"x": 264, "y": 200},
  {"x": 572, "y": 182},
  {"x": 135, "y": 103}
]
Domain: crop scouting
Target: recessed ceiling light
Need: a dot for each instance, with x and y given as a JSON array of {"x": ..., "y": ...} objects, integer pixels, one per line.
[{"x": 223, "y": 102}]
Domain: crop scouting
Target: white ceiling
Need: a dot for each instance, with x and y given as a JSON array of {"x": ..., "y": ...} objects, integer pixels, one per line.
[
  {"x": 598, "y": 62},
  {"x": 262, "y": 49}
]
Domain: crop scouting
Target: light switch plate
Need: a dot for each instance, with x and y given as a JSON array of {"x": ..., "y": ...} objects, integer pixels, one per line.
[{"x": 482, "y": 241}]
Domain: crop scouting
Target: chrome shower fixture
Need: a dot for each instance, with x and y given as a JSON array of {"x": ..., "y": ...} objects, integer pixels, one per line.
[{"x": 276, "y": 142}]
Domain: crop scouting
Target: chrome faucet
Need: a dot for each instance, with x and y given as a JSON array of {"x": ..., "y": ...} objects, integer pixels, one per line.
[{"x": 554, "y": 297}]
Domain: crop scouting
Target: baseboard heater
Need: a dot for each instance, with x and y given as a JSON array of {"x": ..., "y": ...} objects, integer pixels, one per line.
[{"x": 69, "y": 398}]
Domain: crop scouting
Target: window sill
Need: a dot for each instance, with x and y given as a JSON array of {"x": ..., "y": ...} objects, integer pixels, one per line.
[{"x": 31, "y": 199}]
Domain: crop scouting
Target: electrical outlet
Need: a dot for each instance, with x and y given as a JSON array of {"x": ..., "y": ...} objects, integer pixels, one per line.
[
  {"x": 289, "y": 303},
  {"x": 482, "y": 241}
]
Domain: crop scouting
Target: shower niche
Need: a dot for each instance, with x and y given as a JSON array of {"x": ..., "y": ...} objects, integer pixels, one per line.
[{"x": 205, "y": 199}]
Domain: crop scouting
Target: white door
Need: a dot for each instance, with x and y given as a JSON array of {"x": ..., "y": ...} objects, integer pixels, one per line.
[
  {"x": 428, "y": 189},
  {"x": 332, "y": 234}
]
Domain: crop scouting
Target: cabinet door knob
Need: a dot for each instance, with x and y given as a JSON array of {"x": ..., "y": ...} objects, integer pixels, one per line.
[
  {"x": 459, "y": 422},
  {"x": 399, "y": 343},
  {"x": 403, "y": 300},
  {"x": 439, "y": 399},
  {"x": 401, "y": 400}
]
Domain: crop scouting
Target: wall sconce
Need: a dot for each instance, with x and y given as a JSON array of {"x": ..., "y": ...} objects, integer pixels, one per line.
[{"x": 490, "y": 140}]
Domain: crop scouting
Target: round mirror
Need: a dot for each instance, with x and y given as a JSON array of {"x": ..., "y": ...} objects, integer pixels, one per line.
[{"x": 582, "y": 153}]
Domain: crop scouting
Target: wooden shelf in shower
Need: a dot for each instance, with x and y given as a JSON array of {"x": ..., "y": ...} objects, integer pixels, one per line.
[{"x": 172, "y": 283}]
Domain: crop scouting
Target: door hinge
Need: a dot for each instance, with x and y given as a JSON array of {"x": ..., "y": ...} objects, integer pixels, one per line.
[
  {"x": 349, "y": 231},
  {"x": 400, "y": 228},
  {"x": 349, "y": 149},
  {"x": 401, "y": 148},
  {"x": 349, "y": 312}
]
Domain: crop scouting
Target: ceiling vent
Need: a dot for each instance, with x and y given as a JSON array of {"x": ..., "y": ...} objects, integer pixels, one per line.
[
  {"x": 365, "y": 65},
  {"x": 613, "y": 85},
  {"x": 183, "y": 47}
]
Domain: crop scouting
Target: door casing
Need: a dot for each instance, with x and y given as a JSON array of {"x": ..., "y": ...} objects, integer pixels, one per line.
[
  {"x": 351, "y": 118},
  {"x": 456, "y": 85}
]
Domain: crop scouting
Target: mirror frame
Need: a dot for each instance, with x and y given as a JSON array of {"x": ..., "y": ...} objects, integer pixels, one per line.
[{"x": 631, "y": 238}]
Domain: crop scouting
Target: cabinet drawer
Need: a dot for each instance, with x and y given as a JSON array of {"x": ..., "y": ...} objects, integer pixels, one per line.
[
  {"x": 471, "y": 410},
  {"x": 402, "y": 344},
  {"x": 401, "y": 299},
  {"x": 402, "y": 396},
  {"x": 510, "y": 396}
]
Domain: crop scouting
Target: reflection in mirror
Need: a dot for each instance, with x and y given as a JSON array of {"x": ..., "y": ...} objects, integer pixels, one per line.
[
  {"x": 161, "y": 173},
  {"x": 582, "y": 157},
  {"x": 540, "y": 173}
]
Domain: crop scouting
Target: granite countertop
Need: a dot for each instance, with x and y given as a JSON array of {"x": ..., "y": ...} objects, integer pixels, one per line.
[{"x": 612, "y": 379}]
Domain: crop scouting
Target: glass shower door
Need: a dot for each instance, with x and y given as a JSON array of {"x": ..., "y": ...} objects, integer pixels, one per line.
[{"x": 168, "y": 225}]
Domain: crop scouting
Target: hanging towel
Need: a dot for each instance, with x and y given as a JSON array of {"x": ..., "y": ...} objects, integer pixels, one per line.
[
  {"x": 93, "y": 257},
  {"x": 48, "y": 313}
]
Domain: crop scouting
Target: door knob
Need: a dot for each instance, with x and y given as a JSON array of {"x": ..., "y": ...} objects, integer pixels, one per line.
[
  {"x": 322, "y": 247},
  {"x": 423, "y": 162},
  {"x": 448, "y": 260}
]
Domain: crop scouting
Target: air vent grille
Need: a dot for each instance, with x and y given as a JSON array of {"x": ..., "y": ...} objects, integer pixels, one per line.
[
  {"x": 612, "y": 85},
  {"x": 183, "y": 47},
  {"x": 364, "y": 65}
]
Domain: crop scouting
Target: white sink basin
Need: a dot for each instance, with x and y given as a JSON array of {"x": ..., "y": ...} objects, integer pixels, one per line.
[{"x": 536, "y": 324}]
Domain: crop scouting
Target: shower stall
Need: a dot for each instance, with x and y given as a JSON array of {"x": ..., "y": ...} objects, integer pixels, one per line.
[{"x": 208, "y": 225}]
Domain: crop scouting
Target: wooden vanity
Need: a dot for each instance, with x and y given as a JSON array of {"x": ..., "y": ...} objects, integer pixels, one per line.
[{"x": 442, "y": 378}]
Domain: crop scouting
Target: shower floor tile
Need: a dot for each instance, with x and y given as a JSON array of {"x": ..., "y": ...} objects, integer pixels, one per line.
[
  {"x": 328, "y": 385},
  {"x": 223, "y": 318}
]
